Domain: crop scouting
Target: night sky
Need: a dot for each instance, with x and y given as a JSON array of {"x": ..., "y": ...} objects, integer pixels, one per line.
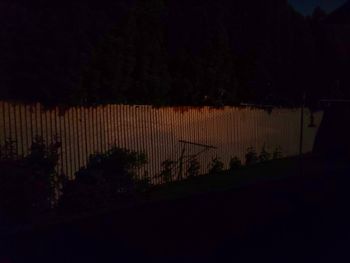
[{"x": 307, "y": 6}]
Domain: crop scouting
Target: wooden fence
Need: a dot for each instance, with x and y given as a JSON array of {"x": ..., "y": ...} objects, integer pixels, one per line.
[{"x": 169, "y": 133}]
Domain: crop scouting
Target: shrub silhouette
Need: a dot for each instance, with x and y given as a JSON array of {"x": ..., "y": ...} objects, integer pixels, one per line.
[
  {"x": 193, "y": 169},
  {"x": 277, "y": 153},
  {"x": 167, "y": 170},
  {"x": 264, "y": 155},
  {"x": 251, "y": 156},
  {"x": 143, "y": 184},
  {"x": 108, "y": 177},
  {"x": 216, "y": 166},
  {"x": 235, "y": 163},
  {"x": 28, "y": 184}
]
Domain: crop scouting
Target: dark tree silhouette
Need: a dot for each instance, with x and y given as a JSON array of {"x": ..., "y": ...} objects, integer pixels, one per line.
[{"x": 165, "y": 52}]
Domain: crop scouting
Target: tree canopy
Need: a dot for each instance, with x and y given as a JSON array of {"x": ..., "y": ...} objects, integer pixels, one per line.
[{"x": 161, "y": 52}]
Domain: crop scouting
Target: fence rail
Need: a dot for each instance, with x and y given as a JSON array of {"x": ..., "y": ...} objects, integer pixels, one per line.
[{"x": 158, "y": 132}]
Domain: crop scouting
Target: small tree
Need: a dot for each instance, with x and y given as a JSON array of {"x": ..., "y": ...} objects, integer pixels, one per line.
[
  {"x": 167, "y": 170},
  {"x": 106, "y": 178},
  {"x": 264, "y": 155},
  {"x": 216, "y": 166},
  {"x": 29, "y": 184},
  {"x": 277, "y": 153},
  {"x": 251, "y": 156},
  {"x": 193, "y": 169},
  {"x": 235, "y": 163},
  {"x": 143, "y": 184}
]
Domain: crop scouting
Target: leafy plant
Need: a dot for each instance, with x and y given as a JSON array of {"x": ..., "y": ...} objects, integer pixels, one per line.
[
  {"x": 8, "y": 151},
  {"x": 277, "y": 153},
  {"x": 117, "y": 166},
  {"x": 29, "y": 184},
  {"x": 264, "y": 155},
  {"x": 216, "y": 166},
  {"x": 107, "y": 178},
  {"x": 251, "y": 156},
  {"x": 167, "y": 170},
  {"x": 193, "y": 169},
  {"x": 44, "y": 159},
  {"x": 235, "y": 163},
  {"x": 143, "y": 184}
]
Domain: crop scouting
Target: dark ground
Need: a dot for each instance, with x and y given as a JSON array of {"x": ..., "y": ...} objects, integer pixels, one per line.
[{"x": 296, "y": 218}]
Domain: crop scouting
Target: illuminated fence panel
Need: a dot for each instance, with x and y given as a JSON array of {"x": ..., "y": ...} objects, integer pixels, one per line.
[{"x": 169, "y": 133}]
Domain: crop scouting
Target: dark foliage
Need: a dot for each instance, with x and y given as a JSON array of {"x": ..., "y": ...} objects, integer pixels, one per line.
[
  {"x": 193, "y": 169},
  {"x": 216, "y": 166},
  {"x": 28, "y": 185},
  {"x": 264, "y": 155},
  {"x": 251, "y": 156},
  {"x": 164, "y": 52},
  {"x": 277, "y": 153},
  {"x": 235, "y": 163},
  {"x": 107, "y": 179},
  {"x": 167, "y": 171}
]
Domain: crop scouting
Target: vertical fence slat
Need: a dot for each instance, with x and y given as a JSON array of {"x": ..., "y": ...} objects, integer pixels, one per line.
[
  {"x": 73, "y": 141},
  {"x": 60, "y": 138},
  {"x": 21, "y": 130},
  {"x": 87, "y": 127},
  {"x": 70, "y": 143},
  {"x": 115, "y": 125},
  {"x": 132, "y": 125},
  {"x": 153, "y": 131},
  {"x": 105, "y": 126},
  {"x": 100, "y": 128},
  {"x": 118, "y": 123},
  {"x": 15, "y": 122},
  {"x": 153, "y": 147},
  {"x": 93, "y": 127},
  {"x": 126, "y": 129},
  {"x": 64, "y": 143},
  {"x": 4, "y": 128},
  {"x": 159, "y": 158},
  {"x": 46, "y": 126},
  {"x": 158, "y": 161}
]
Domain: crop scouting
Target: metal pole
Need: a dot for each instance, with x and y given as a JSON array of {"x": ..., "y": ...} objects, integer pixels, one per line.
[
  {"x": 302, "y": 125},
  {"x": 301, "y": 132},
  {"x": 179, "y": 177}
]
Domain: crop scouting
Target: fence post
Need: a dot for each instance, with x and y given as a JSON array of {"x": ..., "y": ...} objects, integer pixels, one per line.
[
  {"x": 301, "y": 132},
  {"x": 179, "y": 177}
]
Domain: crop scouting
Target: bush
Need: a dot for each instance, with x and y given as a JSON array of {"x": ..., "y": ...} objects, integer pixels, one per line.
[
  {"x": 264, "y": 155},
  {"x": 235, "y": 163},
  {"x": 167, "y": 170},
  {"x": 28, "y": 185},
  {"x": 143, "y": 184},
  {"x": 251, "y": 156},
  {"x": 216, "y": 166},
  {"x": 107, "y": 178},
  {"x": 193, "y": 169},
  {"x": 277, "y": 153}
]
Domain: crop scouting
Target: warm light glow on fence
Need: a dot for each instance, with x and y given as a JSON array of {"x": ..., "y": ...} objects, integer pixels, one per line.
[{"x": 156, "y": 132}]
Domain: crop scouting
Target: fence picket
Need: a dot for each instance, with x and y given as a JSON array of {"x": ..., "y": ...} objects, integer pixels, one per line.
[{"x": 154, "y": 131}]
